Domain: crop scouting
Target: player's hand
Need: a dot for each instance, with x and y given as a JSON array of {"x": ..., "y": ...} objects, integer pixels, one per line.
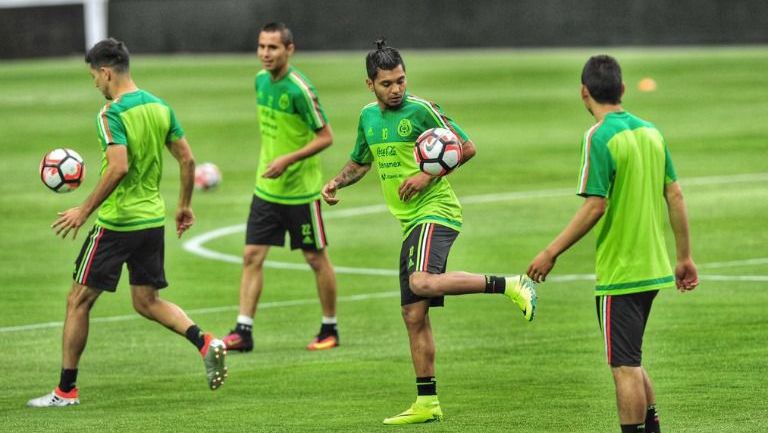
[
  {"x": 413, "y": 185},
  {"x": 277, "y": 167},
  {"x": 69, "y": 220},
  {"x": 686, "y": 275},
  {"x": 540, "y": 266},
  {"x": 184, "y": 220},
  {"x": 329, "y": 193}
]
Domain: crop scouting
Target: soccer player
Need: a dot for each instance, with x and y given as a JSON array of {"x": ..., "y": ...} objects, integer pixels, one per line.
[
  {"x": 133, "y": 128},
  {"x": 428, "y": 211},
  {"x": 294, "y": 129},
  {"x": 626, "y": 176}
]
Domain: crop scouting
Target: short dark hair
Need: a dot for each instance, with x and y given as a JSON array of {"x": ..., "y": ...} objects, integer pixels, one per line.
[
  {"x": 109, "y": 52},
  {"x": 383, "y": 57},
  {"x": 602, "y": 77},
  {"x": 286, "y": 35}
]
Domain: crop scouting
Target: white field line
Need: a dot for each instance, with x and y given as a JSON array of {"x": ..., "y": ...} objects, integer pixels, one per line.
[
  {"x": 195, "y": 246},
  {"x": 343, "y": 299},
  {"x": 747, "y": 262}
]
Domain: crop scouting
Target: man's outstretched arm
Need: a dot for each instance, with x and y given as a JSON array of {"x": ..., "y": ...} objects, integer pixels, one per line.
[
  {"x": 581, "y": 223},
  {"x": 351, "y": 173}
]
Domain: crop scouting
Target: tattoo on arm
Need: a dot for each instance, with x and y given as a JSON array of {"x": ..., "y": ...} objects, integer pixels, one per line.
[{"x": 351, "y": 173}]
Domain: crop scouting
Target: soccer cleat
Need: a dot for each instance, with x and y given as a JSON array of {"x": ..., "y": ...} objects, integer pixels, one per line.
[
  {"x": 324, "y": 343},
  {"x": 239, "y": 342},
  {"x": 522, "y": 291},
  {"x": 56, "y": 398},
  {"x": 214, "y": 351},
  {"x": 425, "y": 409}
]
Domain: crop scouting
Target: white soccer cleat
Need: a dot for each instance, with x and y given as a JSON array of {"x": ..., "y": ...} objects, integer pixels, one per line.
[
  {"x": 56, "y": 398},
  {"x": 214, "y": 352}
]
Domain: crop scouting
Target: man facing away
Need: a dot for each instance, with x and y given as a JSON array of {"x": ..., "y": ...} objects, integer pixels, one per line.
[
  {"x": 133, "y": 128},
  {"x": 294, "y": 129},
  {"x": 626, "y": 176},
  {"x": 429, "y": 213}
]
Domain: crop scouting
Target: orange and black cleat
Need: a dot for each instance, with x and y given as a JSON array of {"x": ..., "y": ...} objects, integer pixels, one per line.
[{"x": 323, "y": 343}]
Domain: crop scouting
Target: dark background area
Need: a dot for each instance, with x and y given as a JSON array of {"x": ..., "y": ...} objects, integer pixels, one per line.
[{"x": 160, "y": 26}]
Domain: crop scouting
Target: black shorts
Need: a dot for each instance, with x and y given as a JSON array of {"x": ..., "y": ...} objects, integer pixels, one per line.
[
  {"x": 622, "y": 319},
  {"x": 268, "y": 222},
  {"x": 104, "y": 251},
  {"x": 424, "y": 250}
]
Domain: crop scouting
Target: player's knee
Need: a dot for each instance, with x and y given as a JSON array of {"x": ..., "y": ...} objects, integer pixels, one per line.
[
  {"x": 316, "y": 260},
  {"x": 143, "y": 303},
  {"x": 422, "y": 284},
  {"x": 253, "y": 258},
  {"x": 622, "y": 373},
  {"x": 413, "y": 317},
  {"x": 80, "y": 298}
]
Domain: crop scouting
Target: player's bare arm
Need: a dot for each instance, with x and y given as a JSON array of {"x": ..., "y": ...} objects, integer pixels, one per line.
[
  {"x": 182, "y": 152},
  {"x": 117, "y": 167},
  {"x": 323, "y": 139},
  {"x": 468, "y": 151},
  {"x": 351, "y": 173},
  {"x": 581, "y": 223},
  {"x": 415, "y": 184},
  {"x": 686, "y": 275}
]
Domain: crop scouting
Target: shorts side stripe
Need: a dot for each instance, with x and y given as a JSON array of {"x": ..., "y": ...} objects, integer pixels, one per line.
[
  {"x": 607, "y": 326},
  {"x": 419, "y": 250},
  {"x": 88, "y": 260},
  {"x": 84, "y": 260},
  {"x": 420, "y": 247},
  {"x": 317, "y": 221},
  {"x": 427, "y": 243}
]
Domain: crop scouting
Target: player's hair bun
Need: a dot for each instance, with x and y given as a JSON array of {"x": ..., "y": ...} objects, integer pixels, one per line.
[{"x": 381, "y": 43}]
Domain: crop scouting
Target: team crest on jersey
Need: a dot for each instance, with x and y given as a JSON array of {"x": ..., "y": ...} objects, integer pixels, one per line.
[
  {"x": 284, "y": 102},
  {"x": 370, "y": 131},
  {"x": 404, "y": 128}
]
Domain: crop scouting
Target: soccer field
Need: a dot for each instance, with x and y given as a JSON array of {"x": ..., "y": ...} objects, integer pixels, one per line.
[{"x": 705, "y": 350}]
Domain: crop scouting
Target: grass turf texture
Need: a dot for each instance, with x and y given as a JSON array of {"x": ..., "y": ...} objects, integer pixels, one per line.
[{"x": 705, "y": 350}]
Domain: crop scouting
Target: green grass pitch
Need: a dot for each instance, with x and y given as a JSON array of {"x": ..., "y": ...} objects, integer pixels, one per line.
[{"x": 706, "y": 350}]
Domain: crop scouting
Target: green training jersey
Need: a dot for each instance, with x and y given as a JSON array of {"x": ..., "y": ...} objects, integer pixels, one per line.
[
  {"x": 144, "y": 124},
  {"x": 626, "y": 160},
  {"x": 386, "y": 138},
  {"x": 289, "y": 115}
]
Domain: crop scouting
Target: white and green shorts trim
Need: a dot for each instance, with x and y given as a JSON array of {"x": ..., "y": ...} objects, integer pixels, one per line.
[{"x": 84, "y": 263}]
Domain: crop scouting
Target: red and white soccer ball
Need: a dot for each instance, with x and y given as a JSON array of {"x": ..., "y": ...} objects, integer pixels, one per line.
[
  {"x": 437, "y": 151},
  {"x": 62, "y": 170},
  {"x": 207, "y": 176}
]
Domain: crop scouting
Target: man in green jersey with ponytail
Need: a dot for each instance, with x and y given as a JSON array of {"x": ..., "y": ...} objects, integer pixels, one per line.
[
  {"x": 134, "y": 129},
  {"x": 294, "y": 129},
  {"x": 630, "y": 188},
  {"x": 429, "y": 213}
]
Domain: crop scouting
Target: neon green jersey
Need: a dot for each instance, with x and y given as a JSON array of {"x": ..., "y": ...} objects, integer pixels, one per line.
[
  {"x": 144, "y": 124},
  {"x": 386, "y": 138},
  {"x": 289, "y": 115},
  {"x": 626, "y": 160}
]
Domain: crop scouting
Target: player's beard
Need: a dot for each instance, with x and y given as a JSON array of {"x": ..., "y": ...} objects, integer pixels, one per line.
[{"x": 394, "y": 106}]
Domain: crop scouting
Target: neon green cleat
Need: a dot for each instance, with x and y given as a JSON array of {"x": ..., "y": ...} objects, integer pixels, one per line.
[
  {"x": 522, "y": 291},
  {"x": 425, "y": 409}
]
